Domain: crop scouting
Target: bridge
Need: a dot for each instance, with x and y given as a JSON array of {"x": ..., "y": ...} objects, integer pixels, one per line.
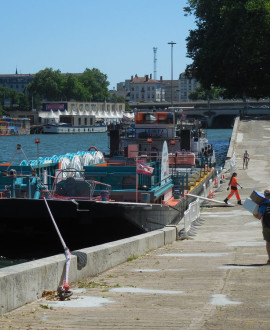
[{"x": 214, "y": 114}]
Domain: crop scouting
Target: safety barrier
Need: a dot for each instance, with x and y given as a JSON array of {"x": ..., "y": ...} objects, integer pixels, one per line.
[
  {"x": 233, "y": 164},
  {"x": 192, "y": 214},
  {"x": 191, "y": 220},
  {"x": 218, "y": 180}
]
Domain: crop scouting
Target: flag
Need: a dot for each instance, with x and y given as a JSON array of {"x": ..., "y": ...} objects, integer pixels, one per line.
[{"x": 144, "y": 169}]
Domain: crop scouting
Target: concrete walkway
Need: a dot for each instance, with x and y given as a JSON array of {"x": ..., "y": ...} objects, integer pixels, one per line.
[{"x": 217, "y": 280}]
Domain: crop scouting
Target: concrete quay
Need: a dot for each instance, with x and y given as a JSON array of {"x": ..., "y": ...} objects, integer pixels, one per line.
[{"x": 218, "y": 279}]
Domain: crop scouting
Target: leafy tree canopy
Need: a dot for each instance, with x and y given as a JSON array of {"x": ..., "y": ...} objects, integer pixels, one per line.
[
  {"x": 47, "y": 84},
  {"x": 55, "y": 86},
  {"x": 230, "y": 46},
  {"x": 95, "y": 83},
  {"x": 202, "y": 94},
  {"x": 17, "y": 99}
]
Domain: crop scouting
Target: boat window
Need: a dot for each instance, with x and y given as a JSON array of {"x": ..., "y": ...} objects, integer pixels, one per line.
[{"x": 149, "y": 118}]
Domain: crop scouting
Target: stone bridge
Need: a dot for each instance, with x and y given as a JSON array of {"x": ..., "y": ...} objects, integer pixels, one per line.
[{"x": 214, "y": 114}]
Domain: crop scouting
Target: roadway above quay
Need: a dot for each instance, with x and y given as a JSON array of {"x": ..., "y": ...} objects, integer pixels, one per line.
[{"x": 214, "y": 114}]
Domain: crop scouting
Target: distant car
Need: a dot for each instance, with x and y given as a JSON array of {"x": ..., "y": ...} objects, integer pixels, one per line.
[{"x": 264, "y": 106}]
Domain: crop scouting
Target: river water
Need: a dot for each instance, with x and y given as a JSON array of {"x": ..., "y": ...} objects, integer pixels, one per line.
[{"x": 70, "y": 143}]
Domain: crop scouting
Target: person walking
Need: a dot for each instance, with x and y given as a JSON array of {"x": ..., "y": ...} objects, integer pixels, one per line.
[
  {"x": 245, "y": 159},
  {"x": 264, "y": 215},
  {"x": 234, "y": 189}
]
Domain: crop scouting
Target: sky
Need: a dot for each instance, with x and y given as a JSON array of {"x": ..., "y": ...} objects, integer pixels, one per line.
[{"x": 115, "y": 36}]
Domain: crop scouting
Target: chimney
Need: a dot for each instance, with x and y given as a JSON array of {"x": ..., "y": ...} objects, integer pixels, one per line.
[
  {"x": 160, "y": 78},
  {"x": 146, "y": 77},
  {"x": 131, "y": 78},
  {"x": 150, "y": 75}
]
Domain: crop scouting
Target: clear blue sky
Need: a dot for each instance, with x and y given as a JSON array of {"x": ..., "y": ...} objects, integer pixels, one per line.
[{"x": 115, "y": 36}]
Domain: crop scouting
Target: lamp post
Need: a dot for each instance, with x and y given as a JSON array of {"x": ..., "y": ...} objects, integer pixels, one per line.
[
  {"x": 149, "y": 141},
  {"x": 171, "y": 43}
]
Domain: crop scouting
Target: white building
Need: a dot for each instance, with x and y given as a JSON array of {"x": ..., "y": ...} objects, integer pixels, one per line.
[
  {"x": 186, "y": 86},
  {"x": 103, "y": 111},
  {"x": 146, "y": 89}
]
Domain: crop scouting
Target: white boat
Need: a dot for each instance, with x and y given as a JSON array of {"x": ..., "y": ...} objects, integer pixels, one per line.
[{"x": 74, "y": 124}]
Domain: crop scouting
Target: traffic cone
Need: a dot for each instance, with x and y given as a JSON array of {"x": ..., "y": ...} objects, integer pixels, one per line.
[
  {"x": 215, "y": 183},
  {"x": 210, "y": 195}
]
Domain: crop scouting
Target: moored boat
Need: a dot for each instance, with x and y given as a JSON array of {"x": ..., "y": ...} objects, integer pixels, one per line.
[
  {"x": 84, "y": 198},
  {"x": 74, "y": 124},
  {"x": 187, "y": 142},
  {"x": 14, "y": 126}
]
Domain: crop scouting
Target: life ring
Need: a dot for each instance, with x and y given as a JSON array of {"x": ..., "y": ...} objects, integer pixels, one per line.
[{"x": 93, "y": 148}]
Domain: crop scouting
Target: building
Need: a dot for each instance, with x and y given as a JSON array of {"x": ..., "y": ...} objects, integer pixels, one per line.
[
  {"x": 103, "y": 111},
  {"x": 18, "y": 82},
  {"x": 171, "y": 85},
  {"x": 123, "y": 86},
  {"x": 186, "y": 86},
  {"x": 146, "y": 89}
]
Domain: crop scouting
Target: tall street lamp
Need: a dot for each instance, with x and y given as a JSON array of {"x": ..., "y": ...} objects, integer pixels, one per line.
[{"x": 171, "y": 43}]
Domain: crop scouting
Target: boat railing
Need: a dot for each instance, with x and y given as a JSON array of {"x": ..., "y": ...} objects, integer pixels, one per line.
[{"x": 77, "y": 175}]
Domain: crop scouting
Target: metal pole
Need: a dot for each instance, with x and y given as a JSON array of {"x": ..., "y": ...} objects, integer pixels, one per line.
[{"x": 171, "y": 43}]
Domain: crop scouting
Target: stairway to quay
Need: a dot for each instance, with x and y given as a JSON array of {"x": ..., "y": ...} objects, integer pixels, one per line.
[{"x": 215, "y": 279}]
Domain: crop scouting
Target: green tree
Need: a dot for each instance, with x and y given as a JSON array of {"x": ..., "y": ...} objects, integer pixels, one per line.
[
  {"x": 48, "y": 84},
  {"x": 201, "y": 93},
  {"x": 17, "y": 99},
  {"x": 230, "y": 46},
  {"x": 96, "y": 84},
  {"x": 74, "y": 89}
]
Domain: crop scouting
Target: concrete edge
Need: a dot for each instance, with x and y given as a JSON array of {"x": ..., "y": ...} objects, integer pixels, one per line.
[
  {"x": 24, "y": 283},
  {"x": 232, "y": 144},
  {"x": 233, "y": 138}
]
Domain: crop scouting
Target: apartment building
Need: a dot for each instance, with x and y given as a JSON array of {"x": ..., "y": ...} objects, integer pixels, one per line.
[
  {"x": 186, "y": 86},
  {"x": 146, "y": 89},
  {"x": 17, "y": 81}
]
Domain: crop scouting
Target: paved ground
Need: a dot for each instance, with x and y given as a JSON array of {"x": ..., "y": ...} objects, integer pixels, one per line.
[{"x": 216, "y": 280}]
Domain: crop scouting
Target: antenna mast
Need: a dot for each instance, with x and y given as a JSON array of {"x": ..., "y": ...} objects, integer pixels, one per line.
[{"x": 155, "y": 62}]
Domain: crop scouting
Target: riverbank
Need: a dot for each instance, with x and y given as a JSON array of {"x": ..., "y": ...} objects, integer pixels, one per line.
[{"x": 216, "y": 280}]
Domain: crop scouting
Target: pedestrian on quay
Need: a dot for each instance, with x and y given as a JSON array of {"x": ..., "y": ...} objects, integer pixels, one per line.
[
  {"x": 234, "y": 189},
  {"x": 245, "y": 159},
  {"x": 264, "y": 215}
]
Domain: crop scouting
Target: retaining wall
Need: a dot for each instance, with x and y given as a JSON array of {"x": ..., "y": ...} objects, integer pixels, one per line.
[{"x": 24, "y": 283}]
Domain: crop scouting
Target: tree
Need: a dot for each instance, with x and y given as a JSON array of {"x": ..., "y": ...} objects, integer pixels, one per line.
[
  {"x": 230, "y": 46},
  {"x": 74, "y": 89},
  {"x": 96, "y": 84},
  {"x": 55, "y": 86},
  {"x": 48, "y": 84},
  {"x": 203, "y": 94},
  {"x": 17, "y": 99}
]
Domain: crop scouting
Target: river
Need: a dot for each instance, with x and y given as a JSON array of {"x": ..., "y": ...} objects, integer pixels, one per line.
[{"x": 69, "y": 143}]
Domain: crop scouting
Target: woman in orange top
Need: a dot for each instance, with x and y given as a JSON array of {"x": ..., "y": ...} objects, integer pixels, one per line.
[{"x": 233, "y": 183}]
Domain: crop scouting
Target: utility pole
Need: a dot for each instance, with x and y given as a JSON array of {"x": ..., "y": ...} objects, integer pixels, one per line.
[
  {"x": 155, "y": 62},
  {"x": 171, "y": 43}
]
